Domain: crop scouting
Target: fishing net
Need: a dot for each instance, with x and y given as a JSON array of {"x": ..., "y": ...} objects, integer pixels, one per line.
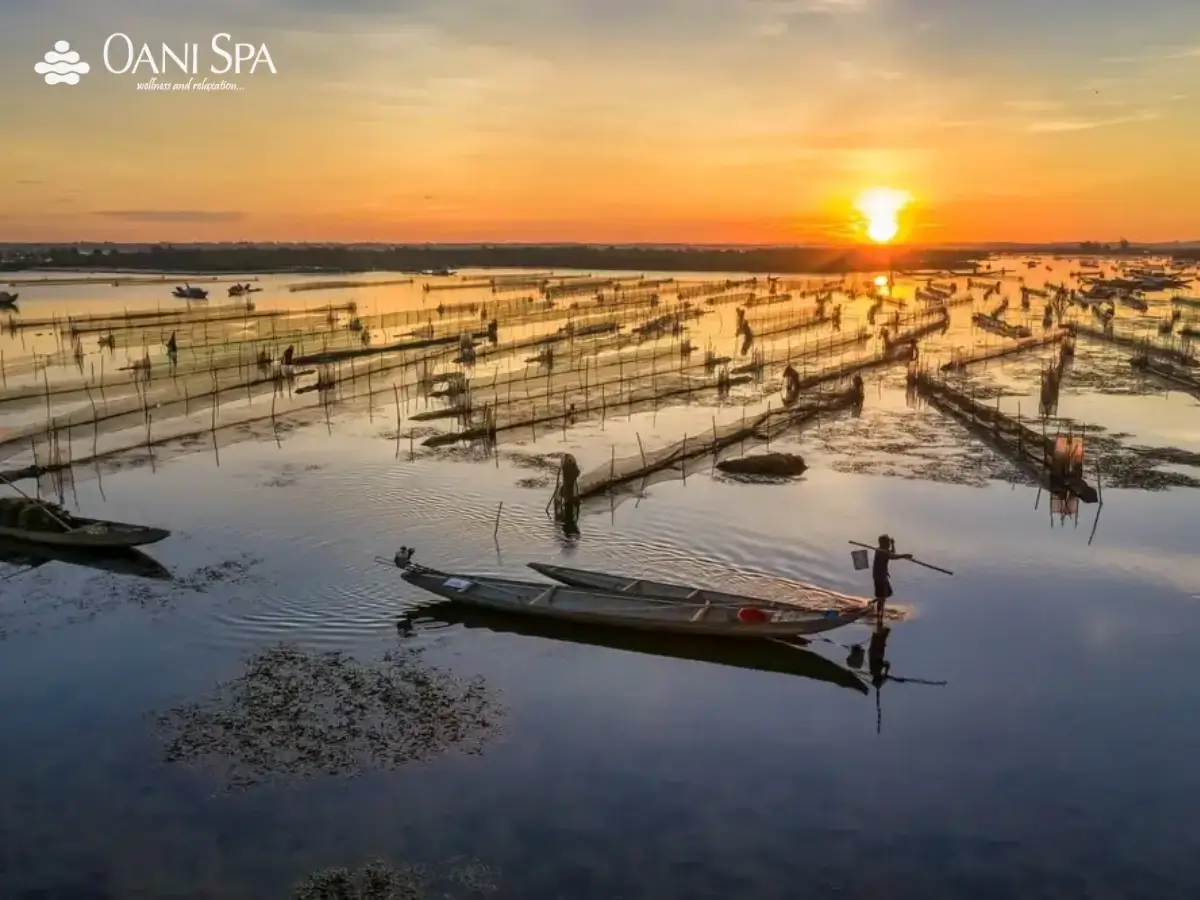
[{"x": 764, "y": 426}]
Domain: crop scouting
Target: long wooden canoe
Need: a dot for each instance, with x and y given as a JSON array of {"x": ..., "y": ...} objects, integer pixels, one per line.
[
  {"x": 93, "y": 534},
  {"x": 808, "y": 597},
  {"x": 761, "y": 656},
  {"x": 745, "y": 618}
]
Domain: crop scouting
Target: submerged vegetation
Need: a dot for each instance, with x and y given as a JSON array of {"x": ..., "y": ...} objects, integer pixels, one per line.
[
  {"x": 379, "y": 881},
  {"x": 299, "y": 714}
]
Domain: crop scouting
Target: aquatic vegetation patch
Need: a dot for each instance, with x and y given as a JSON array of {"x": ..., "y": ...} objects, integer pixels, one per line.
[
  {"x": 235, "y": 571},
  {"x": 294, "y": 713},
  {"x": 919, "y": 445},
  {"x": 289, "y": 475},
  {"x": 379, "y": 881},
  {"x": 546, "y": 462},
  {"x": 537, "y": 482}
]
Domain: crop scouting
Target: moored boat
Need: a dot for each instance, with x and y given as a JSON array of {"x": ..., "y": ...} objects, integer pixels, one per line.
[
  {"x": 725, "y": 615},
  {"x": 809, "y": 598},
  {"x": 38, "y": 522}
]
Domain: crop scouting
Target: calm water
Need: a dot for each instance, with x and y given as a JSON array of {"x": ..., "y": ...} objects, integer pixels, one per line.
[{"x": 1055, "y": 761}]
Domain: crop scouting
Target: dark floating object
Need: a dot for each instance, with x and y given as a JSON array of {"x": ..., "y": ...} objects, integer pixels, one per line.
[
  {"x": 187, "y": 292},
  {"x": 775, "y": 465},
  {"x": 45, "y": 524}
]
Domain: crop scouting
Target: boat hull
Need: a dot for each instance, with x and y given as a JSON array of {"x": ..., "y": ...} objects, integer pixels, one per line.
[
  {"x": 808, "y": 597},
  {"x": 90, "y": 534},
  {"x": 592, "y": 607}
]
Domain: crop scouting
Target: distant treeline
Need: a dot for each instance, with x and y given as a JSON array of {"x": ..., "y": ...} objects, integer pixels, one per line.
[{"x": 237, "y": 259}]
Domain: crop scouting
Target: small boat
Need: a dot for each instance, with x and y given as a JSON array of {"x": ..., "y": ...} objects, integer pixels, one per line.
[
  {"x": 239, "y": 290},
  {"x": 783, "y": 658},
  {"x": 810, "y": 599},
  {"x": 735, "y": 617},
  {"x": 187, "y": 292},
  {"x": 45, "y": 528},
  {"x": 8, "y": 301}
]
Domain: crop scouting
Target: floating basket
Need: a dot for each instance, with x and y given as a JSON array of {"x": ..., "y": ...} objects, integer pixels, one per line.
[{"x": 861, "y": 560}]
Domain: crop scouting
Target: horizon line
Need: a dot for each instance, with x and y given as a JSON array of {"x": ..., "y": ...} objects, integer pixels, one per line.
[{"x": 603, "y": 245}]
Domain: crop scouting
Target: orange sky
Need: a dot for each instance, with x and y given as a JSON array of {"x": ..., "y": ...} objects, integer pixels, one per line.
[{"x": 737, "y": 121}]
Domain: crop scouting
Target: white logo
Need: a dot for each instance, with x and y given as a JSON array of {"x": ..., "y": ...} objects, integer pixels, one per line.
[{"x": 62, "y": 65}]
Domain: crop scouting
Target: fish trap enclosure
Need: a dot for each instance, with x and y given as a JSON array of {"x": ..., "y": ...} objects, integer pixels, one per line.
[{"x": 762, "y": 427}]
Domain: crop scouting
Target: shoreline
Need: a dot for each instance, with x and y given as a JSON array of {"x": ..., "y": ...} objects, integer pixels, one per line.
[{"x": 170, "y": 261}]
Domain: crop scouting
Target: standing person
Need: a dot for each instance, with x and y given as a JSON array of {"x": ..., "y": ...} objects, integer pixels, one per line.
[{"x": 884, "y": 553}]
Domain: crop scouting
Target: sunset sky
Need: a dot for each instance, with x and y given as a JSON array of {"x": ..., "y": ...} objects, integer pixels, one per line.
[{"x": 757, "y": 121}]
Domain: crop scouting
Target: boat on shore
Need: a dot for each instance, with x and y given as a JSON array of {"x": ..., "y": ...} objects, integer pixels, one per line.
[
  {"x": 781, "y": 658},
  {"x": 36, "y": 522},
  {"x": 699, "y": 613}
]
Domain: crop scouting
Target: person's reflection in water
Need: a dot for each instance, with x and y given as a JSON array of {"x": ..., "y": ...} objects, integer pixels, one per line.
[
  {"x": 877, "y": 663},
  {"x": 570, "y": 521},
  {"x": 878, "y": 666}
]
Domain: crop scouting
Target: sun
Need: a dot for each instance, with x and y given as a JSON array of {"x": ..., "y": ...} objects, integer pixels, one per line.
[{"x": 881, "y": 208}]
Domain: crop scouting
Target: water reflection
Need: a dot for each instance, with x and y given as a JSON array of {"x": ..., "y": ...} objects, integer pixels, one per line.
[
  {"x": 788, "y": 658},
  {"x": 25, "y": 557},
  {"x": 879, "y": 668}
]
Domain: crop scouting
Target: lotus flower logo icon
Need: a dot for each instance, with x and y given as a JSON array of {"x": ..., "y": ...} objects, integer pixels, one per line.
[{"x": 62, "y": 65}]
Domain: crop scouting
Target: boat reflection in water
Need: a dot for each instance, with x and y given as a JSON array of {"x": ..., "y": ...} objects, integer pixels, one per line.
[
  {"x": 786, "y": 658},
  {"x": 128, "y": 561}
]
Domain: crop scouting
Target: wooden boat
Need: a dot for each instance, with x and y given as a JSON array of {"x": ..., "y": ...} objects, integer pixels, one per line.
[
  {"x": 94, "y": 534},
  {"x": 748, "y": 618},
  {"x": 764, "y": 656},
  {"x": 811, "y": 601},
  {"x": 129, "y": 561}
]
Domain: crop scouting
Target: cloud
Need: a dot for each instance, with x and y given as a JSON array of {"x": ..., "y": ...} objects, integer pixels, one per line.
[
  {"x": 1063, "y": 126},
  {"x": 1157, "y": 54},
  {"x": 194, "y": 216}
]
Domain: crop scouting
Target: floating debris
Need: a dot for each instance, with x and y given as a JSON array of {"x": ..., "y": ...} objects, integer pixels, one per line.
[{"x": 301, "y": 714}]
